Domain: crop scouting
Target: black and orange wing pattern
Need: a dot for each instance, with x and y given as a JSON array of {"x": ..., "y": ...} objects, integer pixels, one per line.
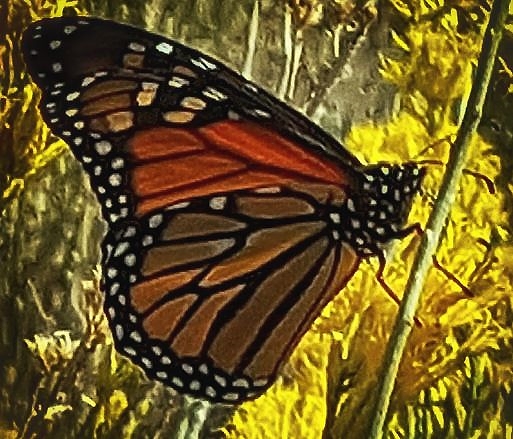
[{"x": 232, "y": 218}]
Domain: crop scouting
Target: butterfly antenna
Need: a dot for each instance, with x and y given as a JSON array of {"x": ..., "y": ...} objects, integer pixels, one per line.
[
  {"x": 435, "y": 144},
  {"x": 477, "y": 175}
]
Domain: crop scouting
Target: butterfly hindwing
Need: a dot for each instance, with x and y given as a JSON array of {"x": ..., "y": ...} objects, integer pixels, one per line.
[{"x": 209, "y": 284}]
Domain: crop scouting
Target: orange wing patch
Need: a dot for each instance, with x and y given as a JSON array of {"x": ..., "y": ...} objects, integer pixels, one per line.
[{"x": 173, "y": 164}]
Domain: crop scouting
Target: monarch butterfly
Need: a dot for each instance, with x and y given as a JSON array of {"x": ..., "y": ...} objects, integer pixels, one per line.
[{"x": 232, "y": 219}]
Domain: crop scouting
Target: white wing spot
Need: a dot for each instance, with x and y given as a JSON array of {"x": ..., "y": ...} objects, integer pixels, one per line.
[
  {"x": 165, "y": 48},
  {"x": 147, "y": 240},
  {"x": 79, "y": 125},
  {"x": 214, "y": 94},
  {"x": 147, "y": 363},
  {"x": 177, "y": 382},
  {"x": 54, "y": 44},
  {"x": 130, "y": 260},
  {"x": 103, "y": 147},
  {"x": 177, "y": 82},
  {"x": 119, "y": 332},
  {"x": 136, "y": 47},
  {"x": 130, "y": 232},
  {"x": 217, "y": 203},
  {"x": 72, "y": 96},
  {"x": 209, "y": 391},
  {"x": 57, "y": 67},
  {"x": 87, "y": 81},
  {"x": 220, "y": 380},
  {"x": 114, "y": 289},
  {"x": 335, "y": 217},
  {"x": 155, "y": 220},
  {"x": 178, "y": 205},
  {"x": 195, "y": 385},
  {"x": 165, "y": 360},
  {"x": 232, "y": 115},
  {"x": 130, "y": 351},
  {"x": 261, "y": 382},
  {"x": 261, "y": 113},
  {"x": 187, "y": 368},
  {"x": 204, "y": 64},
  {"x": 268, "y": 190},
  {"x": 251, "y": 87},
  {"x": 241, "y": 382},
  {"x": 117, "y": 163},
  {"x": 162, "y": 375},
  {"x": 121, "y": 248},
  {"x": 135, "y": 336},
  {"x": 115, "y": 179}
]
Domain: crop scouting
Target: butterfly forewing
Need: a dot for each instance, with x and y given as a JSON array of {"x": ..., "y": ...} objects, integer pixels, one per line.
[{"x": 152, "y": 122}]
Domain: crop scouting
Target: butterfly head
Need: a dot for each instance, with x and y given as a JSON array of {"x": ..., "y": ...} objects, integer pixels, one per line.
[{"x": 379, "y": 206}]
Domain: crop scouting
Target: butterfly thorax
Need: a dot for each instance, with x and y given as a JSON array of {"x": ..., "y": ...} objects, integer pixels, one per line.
[{"x": 377, "y": 207}]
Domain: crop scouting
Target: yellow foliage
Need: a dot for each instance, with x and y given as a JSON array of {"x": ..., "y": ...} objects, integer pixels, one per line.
[{"x": 333, "y": 372}]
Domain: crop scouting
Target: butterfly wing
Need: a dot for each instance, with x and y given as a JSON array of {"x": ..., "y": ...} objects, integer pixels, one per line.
[
  {"x": 221, "y": 289},
  {"x": 131, "y": 103},
  {"x": 223, "y": 204}
]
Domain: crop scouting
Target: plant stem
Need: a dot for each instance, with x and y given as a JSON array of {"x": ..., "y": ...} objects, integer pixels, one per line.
[
  {"x": 455, "y": 165},
  {"x": 247, "y": 70}
]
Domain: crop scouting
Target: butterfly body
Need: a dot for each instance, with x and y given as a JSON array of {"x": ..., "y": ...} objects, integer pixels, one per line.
[{"x": 232, "y": 219}]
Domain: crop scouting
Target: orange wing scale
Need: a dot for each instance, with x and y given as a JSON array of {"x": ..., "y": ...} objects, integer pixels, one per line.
[{"x": 173, "y": 164}]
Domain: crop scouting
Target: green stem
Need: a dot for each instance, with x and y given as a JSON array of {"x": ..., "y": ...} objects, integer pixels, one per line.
[{"x": 430, "y": 238}]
